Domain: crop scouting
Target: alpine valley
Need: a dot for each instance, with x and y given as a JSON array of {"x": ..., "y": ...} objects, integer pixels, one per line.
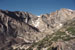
[{"x": 24, "y": 31}]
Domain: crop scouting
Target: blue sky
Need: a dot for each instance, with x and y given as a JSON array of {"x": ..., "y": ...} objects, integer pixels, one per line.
[{"x": 36, "y": 6}]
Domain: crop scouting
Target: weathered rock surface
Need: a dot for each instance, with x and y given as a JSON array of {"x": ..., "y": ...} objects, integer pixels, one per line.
[
  {"x": 19, "y": 30},
  {"x": 63, "y": 39},
  {"x": 68, "y": 45},
  {"x": 15, "y": 29}
]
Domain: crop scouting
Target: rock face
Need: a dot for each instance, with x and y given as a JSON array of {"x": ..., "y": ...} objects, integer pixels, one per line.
[
  {"x": 55, "y": 20},
  {"x": 15, "y": 29},
  {"x": 61, "y": 45},
  {"x": 63, "y": 39},
  {"x": 19, "y": 30}
]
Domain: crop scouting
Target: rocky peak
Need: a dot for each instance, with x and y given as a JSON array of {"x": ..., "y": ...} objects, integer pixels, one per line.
[{"x": 55, "y": 20}]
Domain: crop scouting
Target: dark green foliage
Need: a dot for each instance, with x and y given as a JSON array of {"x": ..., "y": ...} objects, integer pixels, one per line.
[
  {"x": 30, "y": 48},
  {"x": 50, "y": 48},
  {"x": 67, "y": 38},
  {"x": 56, "y": 38},
  {"x": 71, "y": 30},
  {"x": 60, "y": 33}
]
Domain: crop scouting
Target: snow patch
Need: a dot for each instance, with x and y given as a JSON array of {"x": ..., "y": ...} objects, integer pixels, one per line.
[
  {"x": 59, "y": 26},
  {"x": 38, "y": 16},
  {"x": 70, "y": 10},
  {"x": 36, "y": 23}
]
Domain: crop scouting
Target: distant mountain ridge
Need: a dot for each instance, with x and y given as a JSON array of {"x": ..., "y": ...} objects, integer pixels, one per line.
[{"x": 19, "y": 30}]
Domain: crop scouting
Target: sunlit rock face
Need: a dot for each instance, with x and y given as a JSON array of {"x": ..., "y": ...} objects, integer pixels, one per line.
[
  {"x": 17, "y": 28},
  {"x": 55, "y": 20},
  {"x": 64, "y": 45}
]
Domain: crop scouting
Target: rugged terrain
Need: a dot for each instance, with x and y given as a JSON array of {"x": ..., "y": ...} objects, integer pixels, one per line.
[{"x": 25, "y": 31}]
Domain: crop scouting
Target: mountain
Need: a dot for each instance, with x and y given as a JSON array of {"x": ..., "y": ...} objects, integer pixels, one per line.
[
  {"x": 63, "y": 39},
  {"x": 25, "y": 31}
]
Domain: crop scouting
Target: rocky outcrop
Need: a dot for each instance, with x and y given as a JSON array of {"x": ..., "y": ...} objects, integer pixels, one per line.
[
  {"x": 55, "y": 20},
  {"x": 62, "y": 45},
  {"x": 15, "y": 28},
  {"x": 63, "y": 39},
  {"x": 19, "y": 30}
]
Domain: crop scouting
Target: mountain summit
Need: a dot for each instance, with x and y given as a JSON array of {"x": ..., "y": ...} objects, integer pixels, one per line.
[{"x": 21, "y": 30}]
